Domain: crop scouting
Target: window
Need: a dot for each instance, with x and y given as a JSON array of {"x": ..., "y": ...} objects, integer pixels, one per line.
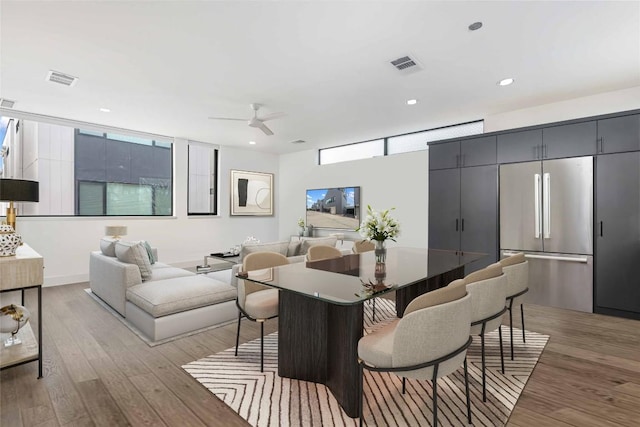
[
  {"x": 203, "y": 182},
  {"x": 416, "y": 141},
  {"x": 359, "y": 150},
  {"x": 91, "y": 173}
]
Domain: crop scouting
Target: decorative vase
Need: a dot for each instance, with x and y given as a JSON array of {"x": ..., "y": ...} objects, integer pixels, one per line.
[
  {"x": 9, "y": 240},
  {"x": 12, "y": 318},
  {"x": 308, "y": 231},
  {"x": 301, "y": 231},
  {"x": 381, "y": 251}
]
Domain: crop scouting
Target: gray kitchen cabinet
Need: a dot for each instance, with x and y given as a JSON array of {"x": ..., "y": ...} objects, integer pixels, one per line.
[
  {"x": 618, "y": 233},
  {"x": 574, "y": 140},
  {"x": 478, "y": 151},
  {"x": 444, "y": 209},
  {"x": 619, "y": 134},
  {"x": 519, "y": 146},
  {"x": 444, "y": 156},
  {"x": 463, "y": 213},
  {"x": 479, "y": 213},
  {"x": 463, "y": 153}
]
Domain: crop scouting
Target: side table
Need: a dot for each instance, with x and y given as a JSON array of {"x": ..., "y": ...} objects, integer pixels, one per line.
[{"x": 19, "y": 273}]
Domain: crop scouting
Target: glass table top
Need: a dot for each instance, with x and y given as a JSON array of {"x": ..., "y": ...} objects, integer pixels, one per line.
[{"x": 354, "y": 278}]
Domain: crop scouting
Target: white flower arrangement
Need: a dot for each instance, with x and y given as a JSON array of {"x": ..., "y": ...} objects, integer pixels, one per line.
[
  {"x": 379, "y": 226},
  {"x": 300, "y": 222}
]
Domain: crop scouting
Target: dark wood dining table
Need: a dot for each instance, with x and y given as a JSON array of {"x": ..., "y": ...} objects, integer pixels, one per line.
[{"x": 321, "y": 315}]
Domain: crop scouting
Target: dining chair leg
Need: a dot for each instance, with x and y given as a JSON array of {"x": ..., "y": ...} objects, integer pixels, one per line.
[
  {"x": 435, "y": 396},
  {"x": 238, "y": 331},
  {"x": 404, "y": 382},
  {"x": 466, "y": 389},
  {"x": 262, "y": 346},
  {"x": 374, "y": 309},
  {"x": 361, "y": 398},
  {"x": 511, "y": 330},
  {"x": 524, "y": 339},
  {"x": 484, "y": 379},
  {"x": 501, "y": 350}
]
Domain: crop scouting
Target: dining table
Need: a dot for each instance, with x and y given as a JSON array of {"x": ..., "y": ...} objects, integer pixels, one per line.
[{"x": 321, "y": 314}]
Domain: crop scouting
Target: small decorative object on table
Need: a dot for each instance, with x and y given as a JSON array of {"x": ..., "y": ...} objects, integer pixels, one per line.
[
  {"x": 12, "y": 318},
  {"x": 250, "y": 240},
  {"x": 378, "y": 227},
  {"x": 301, "y": 226},
  {"x": 308, "y": 231},
  {"x": 9, "y": 240}
]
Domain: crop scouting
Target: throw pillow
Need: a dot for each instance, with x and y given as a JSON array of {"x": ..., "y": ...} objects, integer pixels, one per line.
[
  {"x": 108, "y": 246},
  {"x": 135, "y": 253},
  {"x": 307, "y": 242},
  {"x": 293, "y": 248},
  {"x": 152, "y": 257}
]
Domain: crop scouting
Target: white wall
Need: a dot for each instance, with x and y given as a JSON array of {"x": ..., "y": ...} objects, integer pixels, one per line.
[
  {"x": 602, "y": 103},
  {"x": 399, "y": 181},
  {"x": 65, "y": 243}
]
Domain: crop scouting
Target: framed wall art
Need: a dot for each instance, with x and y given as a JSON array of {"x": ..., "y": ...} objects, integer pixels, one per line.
[{"x": 251, "y": 193}]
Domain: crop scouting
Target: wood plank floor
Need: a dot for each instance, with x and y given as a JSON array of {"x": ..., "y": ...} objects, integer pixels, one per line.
[{"x": 97, "y": 372}]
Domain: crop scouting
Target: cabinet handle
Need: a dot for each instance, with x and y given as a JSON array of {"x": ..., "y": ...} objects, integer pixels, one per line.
[
  {"x": 457, "y": 160},
  {"x": 462, "y": 227},
  {"x": 456, "y": 224},
  {"x": 545, "y": 155},
  {"x": 464, "y": 158},
  {"x": 601, "y": 141},
  {"x": 600, "y": 228},
  {"x": 535, "y": 152}
]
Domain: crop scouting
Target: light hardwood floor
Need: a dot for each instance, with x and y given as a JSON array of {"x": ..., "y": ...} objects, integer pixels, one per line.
[{"x": 97, "y": 372}]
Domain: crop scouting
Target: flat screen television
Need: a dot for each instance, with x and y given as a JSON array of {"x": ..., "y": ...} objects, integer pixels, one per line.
[{"x": 335, "y": 208}]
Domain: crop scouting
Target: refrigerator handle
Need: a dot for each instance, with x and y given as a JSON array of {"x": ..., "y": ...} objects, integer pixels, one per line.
[
  {"x": 546, "y": 206},
  {"x": 536, "y": 204}
]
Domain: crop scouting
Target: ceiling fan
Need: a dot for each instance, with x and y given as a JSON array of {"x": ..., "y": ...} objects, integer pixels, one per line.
[{"x": 255, "y": 121}]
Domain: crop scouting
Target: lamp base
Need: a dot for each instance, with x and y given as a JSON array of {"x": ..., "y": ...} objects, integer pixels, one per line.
[{"x": 11, "y": 216}]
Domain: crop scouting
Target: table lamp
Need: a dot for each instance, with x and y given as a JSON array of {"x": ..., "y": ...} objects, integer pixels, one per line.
[
  {"x": 115, "y": 231},
  {"x": 17, "y": 190}
]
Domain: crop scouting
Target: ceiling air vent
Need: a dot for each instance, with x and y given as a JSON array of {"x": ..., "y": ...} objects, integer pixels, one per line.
[
  {"x": 63, "y": 79},
  {"x": 406, "y": 64},
  {"x": 6, "y": 103},
  {"x": 298, "y": 141}
]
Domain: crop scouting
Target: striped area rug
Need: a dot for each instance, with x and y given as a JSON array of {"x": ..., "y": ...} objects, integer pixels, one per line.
[{"x": 265, "y": 399}]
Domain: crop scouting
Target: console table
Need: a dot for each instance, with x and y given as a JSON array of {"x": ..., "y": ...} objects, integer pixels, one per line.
[{"x": 19, "y": 273}]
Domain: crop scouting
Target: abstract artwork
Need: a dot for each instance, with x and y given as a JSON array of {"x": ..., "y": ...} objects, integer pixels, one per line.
[{"x": 251, "y": 193}]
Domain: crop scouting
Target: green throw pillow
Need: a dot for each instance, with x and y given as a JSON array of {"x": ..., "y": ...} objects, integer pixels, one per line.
[{"x": 152, "y": 258}]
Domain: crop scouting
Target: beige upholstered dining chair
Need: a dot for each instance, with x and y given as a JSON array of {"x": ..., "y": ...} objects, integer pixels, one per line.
[
  {"x": 361, "y": 246},
  {"x": 516, "y": 268},
  {"x": 320, "y": 252},
  {"x": 257, "y": 302},
  {"x": 488, "y": 290},
  {"x": 429, "y": 342}
]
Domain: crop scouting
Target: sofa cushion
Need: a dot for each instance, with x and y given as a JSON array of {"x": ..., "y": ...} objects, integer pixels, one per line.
[
  {"x": 164, "y": 271},
  {"x": 163, "y": 297},
  {"x": 135, "y": 253},
  {"x": 307, "y": 242},
  {"x": 279, "y": 247},
  {"x": 108, "y": 246}
]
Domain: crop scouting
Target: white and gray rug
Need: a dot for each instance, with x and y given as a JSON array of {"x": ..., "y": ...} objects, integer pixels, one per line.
[{"x": 265, "y": 399}]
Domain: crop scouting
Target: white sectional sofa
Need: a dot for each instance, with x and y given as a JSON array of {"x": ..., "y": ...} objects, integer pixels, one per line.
[{"x": 159, "y": 300}]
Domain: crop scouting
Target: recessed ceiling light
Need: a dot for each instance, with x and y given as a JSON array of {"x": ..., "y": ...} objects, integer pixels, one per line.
[
  {"x": 104, "y": 110},
  {"x": 412, "y": 102},
  {"x": 252, "y": 142},
  {"x": 475, "y": 26},
  {"x": 505, "y": 82}
]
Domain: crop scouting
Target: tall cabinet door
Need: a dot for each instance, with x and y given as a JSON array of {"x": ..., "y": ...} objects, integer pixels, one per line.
[
  {"x": 618, "y": 232},
  {"x": 444, "y": 209},
  {"x": 479, "y": 213}
]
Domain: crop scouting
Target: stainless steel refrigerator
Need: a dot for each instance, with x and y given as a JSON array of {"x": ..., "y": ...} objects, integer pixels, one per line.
[{"x": 546, "y": 211}]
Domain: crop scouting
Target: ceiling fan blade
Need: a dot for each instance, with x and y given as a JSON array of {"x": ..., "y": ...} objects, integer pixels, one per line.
[
  {"x": 265, "y": 129},
  {"x": 272, "y": 116},
  {"x": 228, "y": 118}
]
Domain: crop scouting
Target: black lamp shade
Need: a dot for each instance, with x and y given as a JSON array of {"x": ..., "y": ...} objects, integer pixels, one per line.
[{"x": 19, "y": 190}]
